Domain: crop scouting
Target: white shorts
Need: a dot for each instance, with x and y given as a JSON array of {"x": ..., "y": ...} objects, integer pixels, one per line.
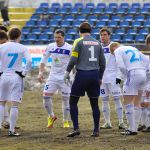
[
  {"x": 11, "y": 87},
  {"x": 135, "y": 81},
  {"x": 52, "y": 86},
  {"x": 107, "y": 89}
]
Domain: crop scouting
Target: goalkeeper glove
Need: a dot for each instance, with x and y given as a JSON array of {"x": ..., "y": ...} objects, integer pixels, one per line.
[{"x": 118, "y": 81}]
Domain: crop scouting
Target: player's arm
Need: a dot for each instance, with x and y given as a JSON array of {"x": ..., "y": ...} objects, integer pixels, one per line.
[
  {"x": 42, "y": 65},
  {"x": 102, "y": 63}
]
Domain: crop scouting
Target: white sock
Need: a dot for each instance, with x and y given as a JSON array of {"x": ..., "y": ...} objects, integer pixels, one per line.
[
  {"x": 6, "y": 114},
  {"x": 148, "y": 117},
  {"x": 129, "y": 109},
  {"x": 13, "y": 118},
  {"x": 137, "y": 112},
  {"x": 48, "y": 105},
  {"x": 1, "y": 115},
  {"x": 119, "y": 108},
  {"x": 106, "y": 109},
  {"x": 144, "y": 116},
  {"x": 65, "y": 108}
]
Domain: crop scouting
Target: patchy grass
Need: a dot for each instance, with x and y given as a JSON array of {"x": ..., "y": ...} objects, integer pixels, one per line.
[{"x": 35, "y": 135}]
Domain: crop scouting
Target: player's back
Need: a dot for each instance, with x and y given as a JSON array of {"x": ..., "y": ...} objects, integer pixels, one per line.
[
  {"x": 11, "y": 55},
  {"x": 90, "y": 52}
]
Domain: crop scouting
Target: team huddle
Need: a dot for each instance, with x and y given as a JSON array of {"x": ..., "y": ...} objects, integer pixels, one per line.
[{"x": 88, "y": 66}]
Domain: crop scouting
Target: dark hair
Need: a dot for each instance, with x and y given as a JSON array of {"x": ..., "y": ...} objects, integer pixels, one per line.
[
  {"x": 3, "y": 28},
  {"x": 60, "y": 31},
  {"x": 14, "y": 33},
  {"x": 148, "y": 39},
  {"x": 3, "y": 35},
  {"x": 105, "y": 29},
  {"x": 85, "y": 27}
]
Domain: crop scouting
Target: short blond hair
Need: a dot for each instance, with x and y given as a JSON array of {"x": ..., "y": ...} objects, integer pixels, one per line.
[{"x": 113, "y": 46}]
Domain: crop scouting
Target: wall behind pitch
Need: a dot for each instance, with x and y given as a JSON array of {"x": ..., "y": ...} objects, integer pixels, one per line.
[{"x": 36, "y": 3}]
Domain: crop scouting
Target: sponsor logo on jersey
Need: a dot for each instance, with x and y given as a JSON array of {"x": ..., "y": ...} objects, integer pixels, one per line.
[{"x": 90, "y": 43}]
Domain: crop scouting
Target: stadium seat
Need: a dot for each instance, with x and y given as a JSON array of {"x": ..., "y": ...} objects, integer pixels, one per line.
[
  {"x": 124, "y": 5},
  {"x": 133, "y": 11},
  {"x": 101, "y": 24},
  {"x": 98, "y": 11},
  {"x": 136, "y": 5},
  {"x": 127, "y": 39},
  {"x": 144, "y": 11},
  {"x": 146, "y": 24},
  {"x": 54, "y": 23},
  {"x": 136, "y": 24},
  {"x": 139, "y": 18},
  {"x": 69, "y": 18},
  {"x": 35, "y": 17},
  {"x": 26, "y": 31},
  {"x": 74, "y": 11},
  {"x": 90, "y": 5},
  {"x": 48, "y": 31},
  {"x": 80, "y": 18},
  {"x": 104, "y": 18},
  {"x": 120, "y": 31},
  {"x": 56, "y": 5},
  {"x": 113, "y": 5},
  {"x": 72, "y": 31},
  {"x": 57, "y": 17},
  {"x": 140, "y": 39},
  {"x": 76, "y": 24},
  {"x": 36, "y": 31},
  {"x": 65, "y": 24},
  {"x": 109, "y": 11},
  {"x": 116, "y": 38},
  {"x": 116, "y": 18},
  {"x": 95, "y": 31},
  {"x": 120, "y": 11},
  {"x": 40, "y": 11},
  {"x": 146, "y": 5},
  {"x": 44, "y": 5},
  {"x": 44, "y": 37},
  {"x": 86, "y": 11},
  {"x": 32, "y": 37},
  {"x": 131, "y": 32},
  {"x": 63, "y": 11},
  {"x": 112, "y": 24},
  {"x": 78, "y": 5},
  {"x": 128, "y": 18},
  {"x": 42, "y": 23},
  {"x": 30, "y": 23},
  {"x": 101, "y": 5},
  {"x": 51, "y": 11},
  {"x": 69, "y": 38},
  {"x": 92, "y": 18},
  {"x": 67, "y": 5},
  {"x": 143, "y": 32},
  {"x": 124, "y": 24}
]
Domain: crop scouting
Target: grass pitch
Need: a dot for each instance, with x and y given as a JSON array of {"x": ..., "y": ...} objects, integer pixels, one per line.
[{"x": 35, "y": 135}]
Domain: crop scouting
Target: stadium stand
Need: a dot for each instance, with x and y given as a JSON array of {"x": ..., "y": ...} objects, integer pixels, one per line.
[{"x": 128, "y": 22}]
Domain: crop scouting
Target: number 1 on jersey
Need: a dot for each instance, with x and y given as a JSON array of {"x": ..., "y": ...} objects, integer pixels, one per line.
[
  {"x": 13, "y": 60},
  {"x": 92, "y": 58}
]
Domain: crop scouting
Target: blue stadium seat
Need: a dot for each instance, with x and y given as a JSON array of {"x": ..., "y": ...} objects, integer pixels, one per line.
[
  {"x": 86, "y": 11},
  {"x": 144, "y": 11},
  {"x": 120, "y": 31},
  {"x": 101, "y": 5},
  {"x": 109, "y": 11},
  {"x": 90, "y": 5},
  {"x": 36, "y": 31},
  {"x": 54, "y": 23},
  {"x": 56, "y": 5},
  {"x": 146, "y": 24},
  {"x": 35, "y": 17},
  {"x": 124, "y": 5},
  {"x": 23, "y": 38},
  {"x": 128, "y": 18},
  {"x": 139, "y": 18},
  {"x": 51, "y": 11},
  {"x": 44, "y": 5},
  {"x": 48, "y": 31},
  {"x": 95, "y": 31},
  {"x": 74, "y": 11},
  {"x": 65, "y": 24},
  {"x": 124, "y": 24},
  {"x": 72, "y": 31},
  {"x": 112, "y": 24},
  {"x": 136, "y": 24},
  {"x": 42, "y": 23},
  {"x": 76, "y": 24},
  {"x": 78, "y": 5},
  {"x": 67, "y": 5},
  {"x": 69, "y": 38},
  {"x": 63, "y": 11},
  {"x": 120, "y": 11},
  {"x": 40, "y": 11},
  {"x": 113, "y": 5},
  {"x": 101, "y": 24},
  {"x": 104, "y": 18},
  {"x": 116, "y": 38},
  {"x": 69, "y": 18},
  {"x": 80, "y": 18},
  {"x": 140, "y": 39},
  {"x": 136, "y": 5},
  {"x": 98, "y": 11},
  {"x": 131, "y": 32},
  {"x": 146, "y": 5},
  {"x": 32, "y": 37},
  {"x": 133, "y": 11},
  {"x": 116, "y": 18},
  {"x": 127, "y": 39},
  {"x": 57, "y": 17},
  {"x": 143, "y": 32},
  {"x": 44, "y": 37},
  {"x": 26, "y": 31},
  {"x": 92, "y": 18},
  {"x": 30, "y": 23}
]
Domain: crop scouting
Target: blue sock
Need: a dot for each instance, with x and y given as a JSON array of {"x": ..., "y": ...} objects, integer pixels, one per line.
[
  {"x": 74, "y": 111},
  {"x": 96, "y": 113}
]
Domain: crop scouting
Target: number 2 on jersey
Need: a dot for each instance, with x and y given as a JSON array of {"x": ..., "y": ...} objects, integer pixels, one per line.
[
  {"x": 134, "y": 56},
  {"x": 13, "y": 59},
  {"x": 92, "y": 58}
]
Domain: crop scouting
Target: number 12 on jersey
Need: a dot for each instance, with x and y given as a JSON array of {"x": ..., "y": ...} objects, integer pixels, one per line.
[{"x": 14, "y": 57}]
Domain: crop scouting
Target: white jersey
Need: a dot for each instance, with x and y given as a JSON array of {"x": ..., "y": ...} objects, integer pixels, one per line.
[
  {"x": 129, "y": 58},
  {"x": 110, "y": 72},
  {"x": 60, "y": 58},
  {"x": 11, "y": 55}
]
